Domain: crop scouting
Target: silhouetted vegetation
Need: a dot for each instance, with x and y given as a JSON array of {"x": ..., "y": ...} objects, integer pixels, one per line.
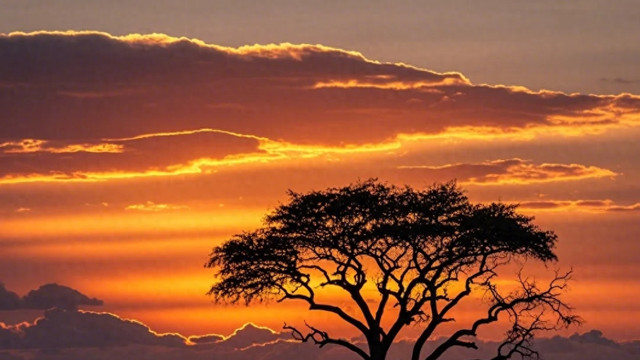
[{"x": 423, "y": 250}]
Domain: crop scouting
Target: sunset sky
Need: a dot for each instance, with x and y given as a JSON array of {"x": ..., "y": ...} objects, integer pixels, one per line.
[{"x": 137, "y": 135}]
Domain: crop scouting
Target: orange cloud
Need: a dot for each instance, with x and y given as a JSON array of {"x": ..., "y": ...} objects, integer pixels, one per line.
[
  {"x": 151, "y": 206},
  {"x": 140, "y": 155},
  {"x": 511, "y": 172},
  {"x": 147, "y": 155},
  {"x": 149, "y": 83},
  {"x": 36, "y": 145},
  {"x": 594, "y": 206},
  {"x": 187, "y": 132},
  {"x": 386, "y": 82},
  {"x": 116, "y": 107}
]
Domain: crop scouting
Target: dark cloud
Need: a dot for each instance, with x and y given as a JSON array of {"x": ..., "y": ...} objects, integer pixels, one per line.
[
  {"x": 591, "y": 345},
  {"x": 45, "y": 297},
  {"x": 69, "y": 328},
  {"x": 94, "y": 336},
  {"x": 65, "y": 334},
  {"x": 134, "y": 85},
  {"x": 74, "y": 55},
  {"x": 116, "y": 87},
  {"x": 619, "y": 80},
  {"x": 593, "y": 337},
  {"x": 8, "y": 299},
  {"x": 54, "y": 295},
  {"x": 250, "y": 334},
  {"x": 74, "y": 104},
  {"x": 61, "y": 328}
]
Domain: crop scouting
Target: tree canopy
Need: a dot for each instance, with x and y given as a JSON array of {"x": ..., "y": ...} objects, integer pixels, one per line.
[{"x": 423, "y": 250}]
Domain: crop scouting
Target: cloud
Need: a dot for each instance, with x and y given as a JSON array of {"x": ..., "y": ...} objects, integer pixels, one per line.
[
  {"x": 122, "y": 107},
  {"x": 185, "y": 152},
  {"x": 619, "y": 80},
  {"x": 205, "y": 339},
  {"x": 161, "y": 154},
  {"x": 45, "y": 297},
  {"x": 624, "y": 208},
  {"x": 151, "y": 206},
  {"x": 61, "y": 328},
  {"x": 593, "y": 337},
  {"x": 69, "y": 328},
  {"x": 591, "y": 345},
  {"x": 35, "y": 145},
  {"x": 597, "y": 206},
  {"x": 510, "y": 171},
  {"x": 8, "y": 299},
  {"x": 54, "y": 295},
  {"x": 65, "y": 334},
  {"x": 250, "y": 334}
]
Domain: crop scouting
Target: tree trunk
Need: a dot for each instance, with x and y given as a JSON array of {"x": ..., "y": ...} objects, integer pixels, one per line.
[
  {"x": 378, "y": 351},
  {"x": 380, "y": 355}
]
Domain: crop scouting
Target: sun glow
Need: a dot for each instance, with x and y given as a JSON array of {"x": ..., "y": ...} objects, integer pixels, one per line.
[{"x": 120, "y": 223}]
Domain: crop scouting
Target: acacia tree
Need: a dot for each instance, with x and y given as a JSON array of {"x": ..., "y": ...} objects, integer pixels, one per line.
[{"x": 424, "y": 251}]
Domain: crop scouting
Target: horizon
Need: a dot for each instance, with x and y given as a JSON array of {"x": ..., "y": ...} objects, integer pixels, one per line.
[{"x": 105, "y": 331}]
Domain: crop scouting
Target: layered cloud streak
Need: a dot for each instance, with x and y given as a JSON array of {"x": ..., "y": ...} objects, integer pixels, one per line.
[
  {"x": 79, "y": 334},
  {"x": 88, "y": 106},
  {"x": 509, "y": 171}
]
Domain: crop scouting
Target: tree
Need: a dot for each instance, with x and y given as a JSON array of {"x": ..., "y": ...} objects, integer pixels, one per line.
[{"x": 424, "y": 251}]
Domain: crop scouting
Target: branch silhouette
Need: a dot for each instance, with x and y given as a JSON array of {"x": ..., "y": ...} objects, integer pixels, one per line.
[{"x": 424, "y": 251}]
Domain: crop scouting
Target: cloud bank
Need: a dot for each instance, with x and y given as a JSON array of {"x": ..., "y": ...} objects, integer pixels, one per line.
[
  {"x": 63, "y": 334},
  {"x": 45, "y": 297},
  {"x": 8, "y": 299},
  {"x": 89, "y": 106},
  {"x": 510, "y": 171},
  {"x": 68, "y": 328}
]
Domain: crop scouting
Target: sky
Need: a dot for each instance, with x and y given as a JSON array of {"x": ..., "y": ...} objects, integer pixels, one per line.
[
  {"x": 588, "y": 46},
  {"x": 135, "y": 136}
]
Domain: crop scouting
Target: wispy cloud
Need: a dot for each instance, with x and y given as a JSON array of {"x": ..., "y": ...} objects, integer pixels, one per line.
[
  {"x": 153, "y": 207},
  {"x": 597, "y": 206},
  {"x": 511, "y": 172},
  {"x": 147, "y": 151},
  {"x": 619, "y": 80},
  {"x": 26, "y": 146}
]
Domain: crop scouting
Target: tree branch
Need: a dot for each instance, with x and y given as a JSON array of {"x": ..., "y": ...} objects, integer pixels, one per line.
[
  {"x": 329, "y": 308},
  {"x": 321, "y": 338},
  {"x": 530, "y": 299}
]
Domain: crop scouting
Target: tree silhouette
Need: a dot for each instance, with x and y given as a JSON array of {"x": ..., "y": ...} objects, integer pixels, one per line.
[{"x": 423, "y": 251}]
